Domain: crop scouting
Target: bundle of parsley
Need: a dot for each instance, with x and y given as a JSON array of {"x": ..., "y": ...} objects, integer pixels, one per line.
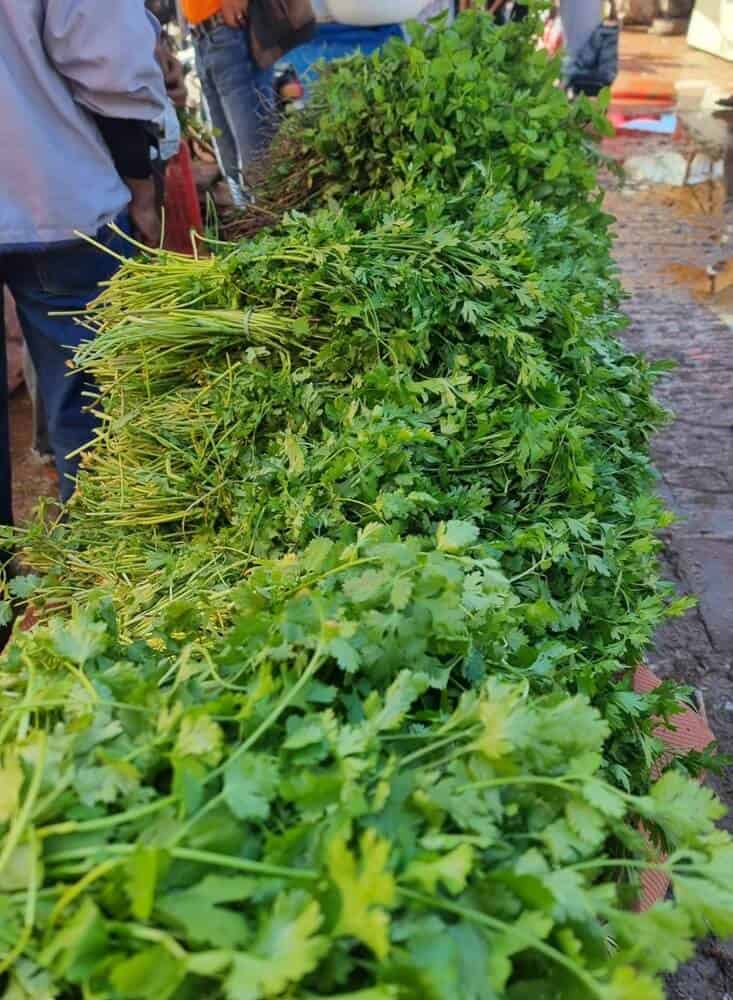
[
  {"x": 358, "y": 572},
  {"x": 454, "y": 360}
]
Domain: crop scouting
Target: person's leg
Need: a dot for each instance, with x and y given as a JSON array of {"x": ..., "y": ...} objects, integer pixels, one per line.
[
  {"x": 6, "y": 500},
  {"x": 245, "y": 92},
  {"x": 62, "y": 280},
  {"x": 224, "y": 141},
  {"x": 580, "y": 18},
  {"x": 41, "y": 443},
  {"x": 6, "y": 504}
]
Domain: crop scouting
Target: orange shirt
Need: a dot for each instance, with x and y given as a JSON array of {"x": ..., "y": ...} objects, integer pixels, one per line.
[{"x": 196, "y": 11}]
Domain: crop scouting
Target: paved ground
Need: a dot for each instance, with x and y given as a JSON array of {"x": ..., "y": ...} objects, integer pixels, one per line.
[{"x": 667, "y": 239}]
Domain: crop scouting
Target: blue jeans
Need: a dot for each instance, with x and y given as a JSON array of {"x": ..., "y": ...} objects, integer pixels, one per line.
[
  {"x": 239, "y": 96},
  {"x": 62, "y": 278}
]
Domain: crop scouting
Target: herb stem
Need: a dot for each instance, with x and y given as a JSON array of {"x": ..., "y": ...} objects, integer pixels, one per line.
[
  {"x": 108, "y": 822},
  {"x": 29, "y": 919},
  {"x": 312, "y": 668},
  {"x": 260, "y": 868},
  {"x": 21, "y": 820},
  {"x": 74, "y": 891},
  {"x": 155, "y": 936},
  {"x": 435, "y": 745},
  {"x": 630, "y": 863},
  {"x": 558, "y": 783}
]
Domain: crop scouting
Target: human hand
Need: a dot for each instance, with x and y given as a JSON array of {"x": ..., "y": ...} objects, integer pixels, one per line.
[
  {"x": 234, "y": 12},
  {"x": 173, "y": 75},
  {"x": 144, "y": 211}
]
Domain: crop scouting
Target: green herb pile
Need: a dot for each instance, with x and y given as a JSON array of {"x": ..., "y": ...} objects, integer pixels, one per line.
[
  {"x": 356, "y": 579},
  {"x": 333, "y": 800},
  {"x": 424, "y": 115}
]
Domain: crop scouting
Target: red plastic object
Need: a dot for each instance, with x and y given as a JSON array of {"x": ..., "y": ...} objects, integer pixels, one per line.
[
  {"x": 182, "y": 208},
  {"x": 643, "y": 87},
  {"x": 690, "y": 732}
]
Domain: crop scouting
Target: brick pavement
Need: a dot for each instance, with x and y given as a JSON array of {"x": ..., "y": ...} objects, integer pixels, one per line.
[{"x": 665, "y": 242}]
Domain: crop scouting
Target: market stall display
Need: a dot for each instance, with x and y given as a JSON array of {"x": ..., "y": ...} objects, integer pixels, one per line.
[{"x": 357, "y": 578}]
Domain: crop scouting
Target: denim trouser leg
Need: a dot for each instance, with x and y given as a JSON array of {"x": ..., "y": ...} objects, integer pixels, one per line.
[
  {"x": 580, "y": 18},
  {"x": 226, "y": 146},
  {"x": 61, "y": 280},
  {"x": 6, "y": 508},
  {"x": 239, "y": 96}
]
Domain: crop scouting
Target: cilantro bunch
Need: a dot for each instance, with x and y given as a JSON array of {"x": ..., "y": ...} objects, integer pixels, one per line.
[
  {"x": 354, "y": 583},
  {"x": 333, "y": 800}
]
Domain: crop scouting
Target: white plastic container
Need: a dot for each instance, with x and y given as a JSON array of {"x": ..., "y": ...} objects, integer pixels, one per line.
[
  {"x": 711, "y": 27},
  {"x": 370, "y": 13}
]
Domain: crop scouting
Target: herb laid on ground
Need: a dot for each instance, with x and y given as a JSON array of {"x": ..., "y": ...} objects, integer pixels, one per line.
[
  {"x": 294, "y": 811},
  {"x": 423, "y": 115},
  {"x": 446, "y": 363},
  {"x": 357, "y": 574}
]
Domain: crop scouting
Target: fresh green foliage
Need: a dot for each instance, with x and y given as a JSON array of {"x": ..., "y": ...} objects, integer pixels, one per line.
[
  {"x": 292, "y": 810},
  {"x": 529, "y": 419},
  {"x": 355, "y": 580},
  {"x": 419, "y": 116}
]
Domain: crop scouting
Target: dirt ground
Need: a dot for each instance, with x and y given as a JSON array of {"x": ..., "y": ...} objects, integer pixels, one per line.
[
  {"x": 675, "y": 253},
  {"x": 32, "y": 477}
]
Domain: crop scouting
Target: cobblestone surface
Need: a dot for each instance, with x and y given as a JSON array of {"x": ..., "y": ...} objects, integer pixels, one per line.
[{"x": 666, "y": 240}]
